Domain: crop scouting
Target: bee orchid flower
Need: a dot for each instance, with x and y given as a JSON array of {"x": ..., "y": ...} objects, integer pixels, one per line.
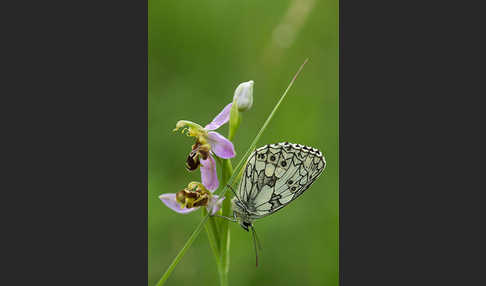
[
  {"x": 208, "y": 143},
  {"x": 191, "y": 198}
]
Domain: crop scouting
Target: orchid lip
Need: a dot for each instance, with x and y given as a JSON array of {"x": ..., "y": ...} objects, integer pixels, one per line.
[{"x": 192, "y": 162}]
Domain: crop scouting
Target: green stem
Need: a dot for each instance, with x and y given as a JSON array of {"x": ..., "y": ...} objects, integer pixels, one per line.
[
  {"x": 227, "y": 171},
  {"x": 214, "y": 241},
  {"x": 213, "y": 234}
]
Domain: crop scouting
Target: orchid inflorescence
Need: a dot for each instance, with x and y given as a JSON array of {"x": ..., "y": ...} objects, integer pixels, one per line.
[{"x": 208, "y": 144}]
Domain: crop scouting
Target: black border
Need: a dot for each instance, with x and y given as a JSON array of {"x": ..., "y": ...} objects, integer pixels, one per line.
[
  {"x": 76, "y": 200},
  {"x": 409, "y": 143}
]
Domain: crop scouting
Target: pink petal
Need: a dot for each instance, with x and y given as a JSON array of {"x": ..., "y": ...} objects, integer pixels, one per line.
[
  {"x": 215, "y": 204},
  {"x": 220, "y": 145},
  {"x": 209, "y": 176},
  {"x": 170, "y": 201},
  {"x": 220, "y": 119}
]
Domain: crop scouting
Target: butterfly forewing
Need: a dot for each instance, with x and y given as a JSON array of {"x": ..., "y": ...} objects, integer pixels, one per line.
[{"x": 277, "y": 174}]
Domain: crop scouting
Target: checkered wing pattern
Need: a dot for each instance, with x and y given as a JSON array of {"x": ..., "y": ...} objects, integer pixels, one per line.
[{"x": 277, "y": 174}]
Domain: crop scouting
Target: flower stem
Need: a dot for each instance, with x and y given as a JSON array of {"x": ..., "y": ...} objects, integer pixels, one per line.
[
  {"x": 213, "y": 234},
  {"x": 214, "y": 241},
  {"x": 227, "y": 171}
]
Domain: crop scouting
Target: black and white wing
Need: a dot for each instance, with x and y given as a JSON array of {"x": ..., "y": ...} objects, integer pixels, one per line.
[{"x": 277, "y": 174}]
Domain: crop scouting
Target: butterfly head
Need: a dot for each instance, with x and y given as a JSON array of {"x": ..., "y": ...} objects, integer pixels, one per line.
[{"x": 245, "y": 225}]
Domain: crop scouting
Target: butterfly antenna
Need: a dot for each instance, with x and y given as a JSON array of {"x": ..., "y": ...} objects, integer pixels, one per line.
[
  {"x": 258, "y": 241},
  {"x": 256, "y": 244}
]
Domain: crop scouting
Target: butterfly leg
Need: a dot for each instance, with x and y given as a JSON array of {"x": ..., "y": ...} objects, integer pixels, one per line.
[{"x": 225, "y": 217}]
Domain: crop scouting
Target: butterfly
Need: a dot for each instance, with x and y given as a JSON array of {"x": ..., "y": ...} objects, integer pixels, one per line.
[{"x": 274, "y": 176}]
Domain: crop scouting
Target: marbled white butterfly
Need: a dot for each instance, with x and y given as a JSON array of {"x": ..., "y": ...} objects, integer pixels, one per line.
[{"x": 275, "y": 175}]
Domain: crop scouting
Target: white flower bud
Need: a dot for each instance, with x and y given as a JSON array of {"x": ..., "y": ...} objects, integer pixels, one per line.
[{"x": 244, "y": 95}]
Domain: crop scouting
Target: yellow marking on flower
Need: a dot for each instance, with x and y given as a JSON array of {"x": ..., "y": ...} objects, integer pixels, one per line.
[{"x": 197, "y": 186}]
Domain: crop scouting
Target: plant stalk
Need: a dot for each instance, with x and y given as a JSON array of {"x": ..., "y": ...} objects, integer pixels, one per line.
[{"x": 227, "y": 172}]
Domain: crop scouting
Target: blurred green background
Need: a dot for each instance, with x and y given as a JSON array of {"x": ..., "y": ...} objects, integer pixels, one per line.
[{"x": 199, "y": 51}]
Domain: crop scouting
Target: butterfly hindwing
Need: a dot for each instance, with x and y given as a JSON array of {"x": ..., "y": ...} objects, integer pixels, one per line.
[{"x": 277, "y": 174}]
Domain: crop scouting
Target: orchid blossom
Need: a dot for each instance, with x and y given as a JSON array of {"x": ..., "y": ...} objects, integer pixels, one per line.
[
  {"x": 192, "y": 198},
  {"x": 208, "y": 142}
]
